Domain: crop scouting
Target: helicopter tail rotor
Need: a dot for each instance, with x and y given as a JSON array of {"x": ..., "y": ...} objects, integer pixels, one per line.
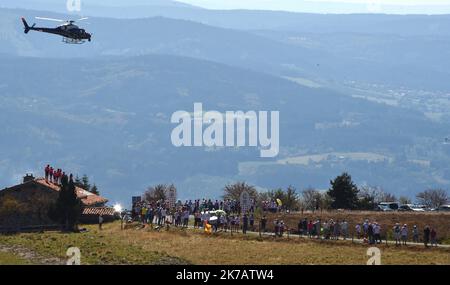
[{"x": 27, "y": 28}]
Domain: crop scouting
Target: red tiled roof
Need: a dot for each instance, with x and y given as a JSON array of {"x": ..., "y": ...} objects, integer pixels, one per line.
[
  {"x": 86, "y": 197},
  {"x": 104, "y": 211}
]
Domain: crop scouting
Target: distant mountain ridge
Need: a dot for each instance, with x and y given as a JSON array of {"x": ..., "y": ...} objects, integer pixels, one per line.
[
  {"x": 366, "y": 94},
  {"x": 414, "y": 61},
  {"x": 110, "y": 118},
  {"x": 252, "y": 19}
]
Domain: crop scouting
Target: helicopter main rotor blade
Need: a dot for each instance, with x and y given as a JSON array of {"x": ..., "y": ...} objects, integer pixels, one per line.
[
  {"x": 82, "y": 19},
  {"x": 50, "y": 19}
]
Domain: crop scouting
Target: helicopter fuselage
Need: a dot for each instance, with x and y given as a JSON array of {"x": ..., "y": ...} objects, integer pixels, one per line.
[{"x": 67, "y": 30}]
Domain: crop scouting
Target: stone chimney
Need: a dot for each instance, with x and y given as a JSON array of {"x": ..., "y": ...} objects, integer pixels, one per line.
[{"x": 28, "y": 178}]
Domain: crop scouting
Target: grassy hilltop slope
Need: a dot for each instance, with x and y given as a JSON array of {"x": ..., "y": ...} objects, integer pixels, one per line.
[{"x": 115, "y": 246}]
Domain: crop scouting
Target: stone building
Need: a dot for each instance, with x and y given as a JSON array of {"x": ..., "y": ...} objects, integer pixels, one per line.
[{"x": 27, "y": 204}]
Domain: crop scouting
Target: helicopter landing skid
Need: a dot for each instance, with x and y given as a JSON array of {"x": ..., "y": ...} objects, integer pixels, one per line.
[{"x": 73, "y": 41}]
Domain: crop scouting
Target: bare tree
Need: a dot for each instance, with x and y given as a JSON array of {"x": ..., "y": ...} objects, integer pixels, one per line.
[
  {"x": 311, "y": 198},
  {"x": 388, "y": 197},
  {"x": 262, "y": 197},
  {"x": 288, "y": 197},
  {"x": 404, "y": 200},
  {"x": 326, "y": 201},
  {"x": 233, "y": 191},
  {"x": 276, "y": 194},
  {"x": 374, "y": 194},
  {"x": 155, "y": 193},
  {"x": 367, "y": 197},
  {"x": 433, "y": 198}
]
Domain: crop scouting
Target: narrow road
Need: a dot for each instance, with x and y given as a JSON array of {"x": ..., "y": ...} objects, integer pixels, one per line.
[
  {"x": 389, "y": 242},
  {"x": 361, "y": 241}
]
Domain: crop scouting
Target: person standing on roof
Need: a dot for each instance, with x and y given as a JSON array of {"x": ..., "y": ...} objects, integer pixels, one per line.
[
  {"x": 56, "y": 176},
  {"x": 64, "y": 179},
  {"x": 50, "y": 174},
  {"x": 47, "y": 172},
  {"x": 59, "y": 176}
]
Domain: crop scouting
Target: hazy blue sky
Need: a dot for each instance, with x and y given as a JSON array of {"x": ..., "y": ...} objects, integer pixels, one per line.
[{"x": 331, "y": 6}]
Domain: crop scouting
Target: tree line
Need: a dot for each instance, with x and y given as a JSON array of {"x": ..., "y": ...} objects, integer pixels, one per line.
[{"x": 343, "y": 193}]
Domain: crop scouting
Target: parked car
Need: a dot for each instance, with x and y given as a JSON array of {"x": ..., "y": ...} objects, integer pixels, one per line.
[
  {"x": 443, "y": 208},
  {"x": 388, "y": 206},
  {"x": 410, "y": 208},
  {"x": 383, "y": 208},
  {"x": 423, "y": 207}
]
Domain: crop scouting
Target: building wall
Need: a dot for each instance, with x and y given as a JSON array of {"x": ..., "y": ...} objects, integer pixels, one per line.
[
  {"x": 93, "y": 219},
  {"x": 26, "y": 205}
]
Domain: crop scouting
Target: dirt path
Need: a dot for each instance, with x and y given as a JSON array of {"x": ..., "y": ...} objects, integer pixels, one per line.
[{"x": 31, "y": 256}]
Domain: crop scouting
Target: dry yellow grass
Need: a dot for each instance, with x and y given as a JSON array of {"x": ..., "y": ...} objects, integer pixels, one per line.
[
  {"x": 222, "y": 249},
  {"x": 7, "y": 258},
  {"x": 438, "y": 220},
  {"x": 115, "y": 246}
]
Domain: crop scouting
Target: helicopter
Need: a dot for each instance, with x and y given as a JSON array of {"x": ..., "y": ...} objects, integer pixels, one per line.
[{"x": 70, "y": 32}]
